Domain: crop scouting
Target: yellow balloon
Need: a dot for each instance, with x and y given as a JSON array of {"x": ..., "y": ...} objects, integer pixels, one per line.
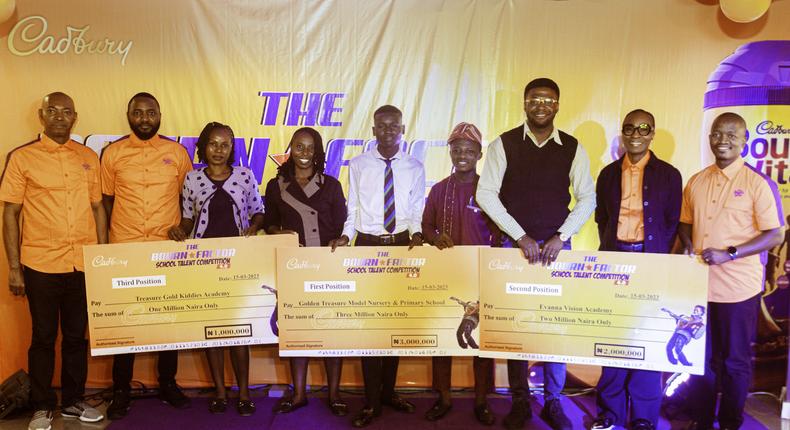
[
  {"x": 744, "y": 10},
  {"x": 6, "y": 9}
]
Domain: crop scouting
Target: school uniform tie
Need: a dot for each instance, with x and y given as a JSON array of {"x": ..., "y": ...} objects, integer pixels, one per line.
[{"x": 389, "y": 197}]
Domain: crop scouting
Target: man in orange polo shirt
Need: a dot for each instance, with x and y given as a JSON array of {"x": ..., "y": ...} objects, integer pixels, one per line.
[
  {"x": 142, "y": 174},
  {"x": 638, "y": 206},
  {"x": 730, "y": 214},
  {"x": 53, "y": 182}
]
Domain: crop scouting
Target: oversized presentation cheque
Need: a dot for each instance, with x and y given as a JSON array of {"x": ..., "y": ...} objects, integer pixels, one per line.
[
  {"x": 631, "y": 310},
  {"x": 155, "y": 296},
  {"x": 360, "y": 301}
]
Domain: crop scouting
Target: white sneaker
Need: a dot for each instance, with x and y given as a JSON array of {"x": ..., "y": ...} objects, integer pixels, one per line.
[
  {"x": 42, "y": 420},
  {"x": 85, "y": 412}
]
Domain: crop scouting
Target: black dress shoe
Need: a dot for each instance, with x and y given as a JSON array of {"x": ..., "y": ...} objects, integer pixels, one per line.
[
  {"x": 287, "y": 405},
  {"x": 519, "y": 413},
  {"x": 245, "y": 408},
  {"x": 364, "y": 417},
  {"x": 339, "y": 408},
  {"x": 641, "y": 424},
  {"x": 603, "y": 422},
  {"x": 484, "y": 415},
  {"x": 119, "y": 405},
  {"x": 217, "y": 406},
  {"x": 438, "y": 410},
  {"x": 399, "y": 404},
  {"x": 172, "y": 395},
  {"x": 696, "y": 425},
  {"x": 554, "y": 416}
]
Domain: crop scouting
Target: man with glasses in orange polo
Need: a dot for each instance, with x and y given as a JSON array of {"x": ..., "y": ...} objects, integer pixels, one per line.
[
  {"x": 638, "y": 209},
  {"x": 524, "y": 190}
]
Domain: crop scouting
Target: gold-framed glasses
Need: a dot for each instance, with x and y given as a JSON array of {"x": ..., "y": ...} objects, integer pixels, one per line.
[{"x": 537, "y": 101}]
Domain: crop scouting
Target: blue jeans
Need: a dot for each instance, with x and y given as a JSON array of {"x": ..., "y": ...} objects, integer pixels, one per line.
[{"x": 517, "y": 370}]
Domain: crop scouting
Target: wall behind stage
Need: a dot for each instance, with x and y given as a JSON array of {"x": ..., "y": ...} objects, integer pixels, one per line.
[{"x": 267, "y": 68}]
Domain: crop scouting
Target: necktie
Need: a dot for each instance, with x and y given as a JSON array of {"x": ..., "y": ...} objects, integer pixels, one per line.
[{"x": 389, "y": 197}]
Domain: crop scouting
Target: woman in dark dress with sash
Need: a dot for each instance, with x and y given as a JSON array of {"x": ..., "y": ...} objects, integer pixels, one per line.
[{"x": 302, "y": 200}]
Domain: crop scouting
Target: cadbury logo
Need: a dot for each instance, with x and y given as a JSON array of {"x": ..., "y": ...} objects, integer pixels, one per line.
[
  {"x": 29, "y": 36},
  {"x": 768, "y": 127},
  {"x": 102, "y": 261}
]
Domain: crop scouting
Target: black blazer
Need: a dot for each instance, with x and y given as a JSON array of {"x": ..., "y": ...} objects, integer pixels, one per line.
[{"x": 662, "y": 193}]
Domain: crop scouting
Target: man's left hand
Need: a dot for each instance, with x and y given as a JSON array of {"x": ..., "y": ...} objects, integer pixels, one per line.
[
  {"x": 715, "y": 256},
  {"x": 551, "y": 248},
  {"x": 416, "y": 240}
]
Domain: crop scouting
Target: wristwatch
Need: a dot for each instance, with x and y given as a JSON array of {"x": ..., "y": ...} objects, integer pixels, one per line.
[
  {"x": 733, "y": 251},
  {"x": 563, "y": 237}
]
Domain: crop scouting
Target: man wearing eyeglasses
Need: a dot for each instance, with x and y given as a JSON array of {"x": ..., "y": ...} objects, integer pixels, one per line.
[
  {"x": 638, "y": 206},
  {"x": 730, "y": 214},
  {"x": 524, "y": 190}
]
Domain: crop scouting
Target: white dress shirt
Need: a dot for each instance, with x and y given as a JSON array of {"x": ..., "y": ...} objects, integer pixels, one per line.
[
  {"x": 491, "y": 181},
  {"x": 366, "y": 193}
]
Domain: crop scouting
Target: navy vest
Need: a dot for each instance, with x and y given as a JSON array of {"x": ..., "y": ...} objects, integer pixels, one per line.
[{"x": 535, "y": 187}]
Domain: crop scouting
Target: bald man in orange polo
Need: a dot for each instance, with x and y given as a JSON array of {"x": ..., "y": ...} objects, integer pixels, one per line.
[
  {"x": 53, "y": 183},
  {"x": 142, "y": 175},
  {"x": 731, "y": 213}
]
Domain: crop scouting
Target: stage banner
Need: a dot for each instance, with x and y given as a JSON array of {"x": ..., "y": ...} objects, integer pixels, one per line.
[
  {"x": 631, "y": 310},
  {"x": 155, "y": 296},
  {"x": 360, "y": 301}
]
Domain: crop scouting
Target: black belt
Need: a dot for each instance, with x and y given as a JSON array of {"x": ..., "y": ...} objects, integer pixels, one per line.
[
  {"x": 385, "y": 239},
  {"x": 631, "y": 246}
]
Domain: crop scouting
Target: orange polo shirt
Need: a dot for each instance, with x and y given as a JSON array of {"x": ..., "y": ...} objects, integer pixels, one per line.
[
  {"x": 145, "y": 177},
  {"x": 630, "y": 222},
  {"x": 727, "y": 207},
  {"x": 55, "y": 184}
]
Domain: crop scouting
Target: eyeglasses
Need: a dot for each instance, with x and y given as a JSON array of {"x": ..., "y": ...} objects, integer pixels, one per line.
[
  {"x": 537, "y": 101},
  {"x": 643, "y": 129},
  {"x": 724, "y": 137}
]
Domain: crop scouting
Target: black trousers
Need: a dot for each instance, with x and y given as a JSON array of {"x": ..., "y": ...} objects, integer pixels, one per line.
[
  {"x": 379, "y": 373},
  {"x": 517, "y": 378},
  {"x": 123, "y": 368},
  {"x": 483, "y": 373},
  {"x": 53, "y": 298},
  {"x": 730, "y": 331}
]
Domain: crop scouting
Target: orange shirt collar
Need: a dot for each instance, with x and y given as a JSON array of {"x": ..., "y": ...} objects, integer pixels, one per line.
[
  {"x": 733, "y": 169},
  {"x": 139, "y": 142},
  {"x": 639, "y": 164},
  {"x": 52, "y": 146}
]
